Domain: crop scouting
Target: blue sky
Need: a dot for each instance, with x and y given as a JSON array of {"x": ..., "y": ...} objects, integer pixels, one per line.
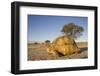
[{"x": 46, "y": 27}]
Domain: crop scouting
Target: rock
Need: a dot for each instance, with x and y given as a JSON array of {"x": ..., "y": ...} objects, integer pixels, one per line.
[{"x": 63, "y": 46}]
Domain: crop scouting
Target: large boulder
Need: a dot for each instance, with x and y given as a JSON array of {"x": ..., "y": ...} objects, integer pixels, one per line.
[{"x": 63, "y": 45}]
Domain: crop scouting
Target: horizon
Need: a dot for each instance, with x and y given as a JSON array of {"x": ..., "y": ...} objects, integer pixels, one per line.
[{"x": 52, "y": 41}]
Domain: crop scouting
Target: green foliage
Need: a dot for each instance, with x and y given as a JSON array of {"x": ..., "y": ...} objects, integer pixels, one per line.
[
  {"x": 47, "y": 41},
  {"x": 72, "y": 30},
  {"x": 36, "y": 43}
]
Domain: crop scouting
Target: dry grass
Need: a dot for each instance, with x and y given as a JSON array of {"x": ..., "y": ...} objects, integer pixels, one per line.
[{"x": 38, "y": 52}]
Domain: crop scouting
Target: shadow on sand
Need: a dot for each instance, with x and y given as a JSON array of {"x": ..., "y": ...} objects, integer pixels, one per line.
[{"x": 84, "y": 49}]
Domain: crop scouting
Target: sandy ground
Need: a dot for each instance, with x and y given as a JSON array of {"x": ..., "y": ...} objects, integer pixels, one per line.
[{"x": 38, "y": 52}]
